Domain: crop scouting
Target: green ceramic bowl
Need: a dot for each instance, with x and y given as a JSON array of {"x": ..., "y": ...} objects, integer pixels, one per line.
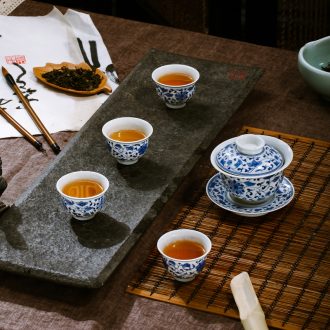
[{"x": 312, "y": 59}]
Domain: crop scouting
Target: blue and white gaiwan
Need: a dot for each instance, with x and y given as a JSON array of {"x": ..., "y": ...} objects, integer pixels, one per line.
[{"x": 251, "y": 166}]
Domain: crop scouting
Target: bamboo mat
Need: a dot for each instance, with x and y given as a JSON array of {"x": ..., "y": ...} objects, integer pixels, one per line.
[{"x": 286, "y": 252}]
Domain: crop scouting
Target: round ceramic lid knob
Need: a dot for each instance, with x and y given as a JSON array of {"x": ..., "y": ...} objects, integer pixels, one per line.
[{"x": 250, "y": 144}]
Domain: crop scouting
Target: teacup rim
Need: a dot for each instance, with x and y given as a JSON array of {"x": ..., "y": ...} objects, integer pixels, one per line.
[
  {"x": 186, "y": 230},
  {"x": 175, "y": 86},
  {"x": 128, "y": 142},
  {"x": 82, "y": 198}
]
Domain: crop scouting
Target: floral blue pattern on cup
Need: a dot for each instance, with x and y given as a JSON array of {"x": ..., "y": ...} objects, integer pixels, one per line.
[
  {"x": 175, "y": 97},
  {"x": 127, "y": 152},
  {"x": 252, "y": 190},
  {"x": 232, "y": 161},
  {"x": 184, "y": 271},
  {"x": 84, "y": 210}
]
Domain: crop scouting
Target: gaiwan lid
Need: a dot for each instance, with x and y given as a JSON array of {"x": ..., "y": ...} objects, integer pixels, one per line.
[{"x": 249, "y": 156}]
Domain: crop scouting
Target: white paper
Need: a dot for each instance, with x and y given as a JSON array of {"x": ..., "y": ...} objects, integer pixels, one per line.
[{"x": 34, "y": 41}]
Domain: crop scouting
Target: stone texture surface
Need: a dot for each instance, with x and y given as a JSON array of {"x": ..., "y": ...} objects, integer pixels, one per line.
[{"x": 40, "y": 238}]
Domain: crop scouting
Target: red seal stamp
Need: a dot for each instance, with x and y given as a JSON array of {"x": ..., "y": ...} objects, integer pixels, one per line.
[
  {"x": 18, "y": 59},
  {"x": 236, "y": 74}
]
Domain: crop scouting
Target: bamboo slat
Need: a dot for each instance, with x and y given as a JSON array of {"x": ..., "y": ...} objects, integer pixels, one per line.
[{"x": 286, "y": 252}]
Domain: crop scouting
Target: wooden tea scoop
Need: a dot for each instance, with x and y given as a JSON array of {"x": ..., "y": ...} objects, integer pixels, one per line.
[
  {"x": 103, "y": 87},
  {"x": 250, "y": 311}
]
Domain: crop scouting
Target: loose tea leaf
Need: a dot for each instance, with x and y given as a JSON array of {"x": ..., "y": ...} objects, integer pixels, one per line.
[
  {"x": 326, "y": 68},
  {"x": 78, "y": 79}
]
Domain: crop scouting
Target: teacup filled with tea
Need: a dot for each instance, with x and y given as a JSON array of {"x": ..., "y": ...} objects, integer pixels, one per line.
[
  {"x": 184, "y": 252},
  {"x": 127, "y": 138},
  {"x": 83, "y": 193},
  {"x": 175, "y": 84}
]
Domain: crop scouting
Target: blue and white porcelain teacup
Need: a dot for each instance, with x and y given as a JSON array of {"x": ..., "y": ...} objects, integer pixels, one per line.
[
  {"x": 127, "y": 152},
  {"x": 184, "y": 270},
  {"x": 83, "y": 208},
  {"x": 175, "y": 96},
  {"x": 251, "y": 166}
]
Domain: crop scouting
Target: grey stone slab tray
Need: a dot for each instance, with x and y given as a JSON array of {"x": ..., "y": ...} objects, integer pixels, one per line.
[{"x": 39, "y": 238}]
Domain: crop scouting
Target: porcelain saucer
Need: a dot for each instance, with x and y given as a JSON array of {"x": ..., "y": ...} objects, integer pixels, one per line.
[{"x": 218, "y": 195}]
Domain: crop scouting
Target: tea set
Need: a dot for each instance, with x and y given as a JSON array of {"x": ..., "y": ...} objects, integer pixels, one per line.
[
  {"x": 127, "y": 151},
  {"x": 250, "y": 177}
]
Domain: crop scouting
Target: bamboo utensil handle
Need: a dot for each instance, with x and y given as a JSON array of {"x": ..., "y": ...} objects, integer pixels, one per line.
[
  {"x": 31, "y": 112},
  {"x": 22, "y": 130},
  {"x": 250, "y": 311}
]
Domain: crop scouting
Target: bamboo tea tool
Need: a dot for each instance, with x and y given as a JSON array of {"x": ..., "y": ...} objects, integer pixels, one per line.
[{"x": 250, "y": 311}]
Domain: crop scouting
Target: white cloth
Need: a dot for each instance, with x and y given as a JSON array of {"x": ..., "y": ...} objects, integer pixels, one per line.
[{"x": 34, "y": 41}]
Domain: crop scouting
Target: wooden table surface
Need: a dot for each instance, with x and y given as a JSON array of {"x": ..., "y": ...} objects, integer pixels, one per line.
[{"x": 280, "y": 101}]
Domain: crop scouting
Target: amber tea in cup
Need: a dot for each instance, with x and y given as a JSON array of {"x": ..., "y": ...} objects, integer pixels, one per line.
[
  {"x": 127, "y": 138},
  {"x": 176, "y": 79},
  {"x": 127, "y": 135},
  {"x": 184, "y": 253},
  {"x": 83, "y": 193},
  {"x": 175, "y": 84},
  {"x": 82, "y": 188},
  {"x": 184, "y": 249}
]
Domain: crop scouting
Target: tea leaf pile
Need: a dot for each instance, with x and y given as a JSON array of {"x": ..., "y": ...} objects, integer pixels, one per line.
[{"x": 77, "y": 79}]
